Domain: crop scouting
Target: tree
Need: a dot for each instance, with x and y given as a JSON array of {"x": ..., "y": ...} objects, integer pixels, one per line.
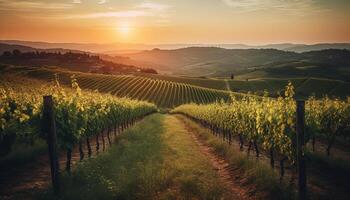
[
  {"x": 7, "y": 54},
  {"x": 16, "y": 52},
  {"x": 148, "y": 70}
]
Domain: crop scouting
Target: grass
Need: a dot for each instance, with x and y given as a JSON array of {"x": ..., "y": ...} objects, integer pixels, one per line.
[
  {"x": 294, "y": 69},
  {"x": 156, "y": 159},
  {"x": 304, "y": 86},
  {"x": 329, "y": 175},
  {"x": 214, "y": 89},
  {"x": 22, "y": 153},
  {"x": 164, "y": 93},
  {"x": 257, "y": 174},
  {"x": 198, "y": 180}
]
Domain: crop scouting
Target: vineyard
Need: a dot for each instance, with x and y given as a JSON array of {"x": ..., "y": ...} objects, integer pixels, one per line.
[
  {"x": 201, "y": 89},
  {"x": 163, "y": 93},
  {"x": 174, "y": 100},
  {"x": 79, "y": 115},
  {"x": 212, "y": 83},
  {"x": 92, "y": 109},
  {"x": 270, "y": 124}
]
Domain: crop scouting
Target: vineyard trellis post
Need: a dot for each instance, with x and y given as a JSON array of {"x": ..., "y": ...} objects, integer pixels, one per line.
[
  {"x": 300, "y": 130},
  {"x": 49, "y": 129}
]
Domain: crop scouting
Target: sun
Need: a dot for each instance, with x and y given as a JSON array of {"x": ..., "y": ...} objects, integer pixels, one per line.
[{"x": 124, "y": 29}]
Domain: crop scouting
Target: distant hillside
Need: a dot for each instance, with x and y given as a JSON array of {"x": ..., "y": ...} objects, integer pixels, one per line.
[
  {"x": 22, "y": 48},
  {"x": 299, "y": 48},
  {"x": 210, "y": 61},
  {"x": 316, "y": 47},
  {"x": 110, "y": 48},
  {"x": 244, "y": 63},
  {"x": 118, "y": 48},
  {"x": 206, "y": 60},
  {"x": 329, "y": 64},
  {"x": 70, "y": 59},
  {"x": 11, "y": 47}
]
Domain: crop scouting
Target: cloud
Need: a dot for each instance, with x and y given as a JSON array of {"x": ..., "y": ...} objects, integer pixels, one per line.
[
  {"x": 118, "y": 14},
  {"x": 99, "y": 1},
  {"x": 102, "y": 1},
  {"x": 30, "y": 5},
  {"x": 153, "y": 6},
  {"x": 294, "y": 6},
  {"x": 70, "y": 10},
  {"x": 145, "y": 9}
]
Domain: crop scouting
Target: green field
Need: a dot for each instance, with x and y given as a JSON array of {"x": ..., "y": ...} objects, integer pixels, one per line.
[
  {"x": 304, "y": 86},
  {"x": 174, "y": 100},
  {"x": 170, "y": 91},
  {"x": 197, "y": 81},
  {"x": 163, "y": 93},
  {"x": 165, "y": 156}
]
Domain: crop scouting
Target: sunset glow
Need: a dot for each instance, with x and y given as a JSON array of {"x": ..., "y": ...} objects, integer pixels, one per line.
[
  {"x": 124, "y": 29},
  {"x": 181, "y": 21}
]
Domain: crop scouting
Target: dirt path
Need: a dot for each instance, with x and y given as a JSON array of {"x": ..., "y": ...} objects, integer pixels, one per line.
[
  {"x": 26, "y": 181},
  {"x": 225, "y": 172},
  {"x": 22, "y": 182},
  {"x": 337, "y": 151},
  {"x": 228, "y": 87},
  {"x": 325, "y": 180}
]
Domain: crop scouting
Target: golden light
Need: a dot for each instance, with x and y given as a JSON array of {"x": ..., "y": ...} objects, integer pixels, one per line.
[{"x": 124, "y": 29}]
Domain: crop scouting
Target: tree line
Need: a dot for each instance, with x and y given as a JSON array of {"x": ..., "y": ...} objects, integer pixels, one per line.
[{"x": 75, "y": 61}]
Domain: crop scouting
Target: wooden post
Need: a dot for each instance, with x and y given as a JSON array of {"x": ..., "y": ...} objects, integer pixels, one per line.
[
  {"x": 300, "y": 129},
  {"x": 49, "y": 129}
]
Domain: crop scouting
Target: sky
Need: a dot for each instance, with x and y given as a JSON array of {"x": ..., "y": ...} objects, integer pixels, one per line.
[{"x": 176, "y": 21}]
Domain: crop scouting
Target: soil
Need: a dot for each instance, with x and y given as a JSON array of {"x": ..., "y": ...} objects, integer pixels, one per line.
[
  {"x": 324, "y": 182},
  {"x": 23, "y": 182},
  {"x": 338, "y": 151},
  {"x": 229, "y": 176}
]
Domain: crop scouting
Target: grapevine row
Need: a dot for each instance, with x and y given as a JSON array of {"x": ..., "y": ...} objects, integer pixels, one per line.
[
  {"x": 162, "y": 92},
  {"x": 269, "y": 123},
  {"x": 79, "y": 115}
]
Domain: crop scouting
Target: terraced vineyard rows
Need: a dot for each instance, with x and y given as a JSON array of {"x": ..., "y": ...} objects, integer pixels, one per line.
[
  {"x": 163, "y": 93},
  {"x": 303, "y": 86},
  {"x": 202, "y": 82}
]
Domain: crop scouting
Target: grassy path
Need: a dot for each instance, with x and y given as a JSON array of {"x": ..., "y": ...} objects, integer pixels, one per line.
[
  {"x": 33, "y": 170},
  {"x": 228, "y": 87},
  {"x": 246, "y": 176},
  {"x": 222, "y": 166},
  {"x": 328, "y": 178},
  {"x": 156, "y": 159},
  {"x": 202, "y": 167}
]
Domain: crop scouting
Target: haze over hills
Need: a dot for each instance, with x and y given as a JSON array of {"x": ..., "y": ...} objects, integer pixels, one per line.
[
  {"x": 10, "y": 47},
  {"x": 118, "y": 48},
  {"x": 315, "y": 47},
  {"x": 215, "y": 61},
  {"x": 66, "y": 58},
  {"x": 210, "y": 61}
]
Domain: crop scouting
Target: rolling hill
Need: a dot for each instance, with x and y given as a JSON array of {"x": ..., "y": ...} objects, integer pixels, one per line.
[
  {"x": 164, "y": 93},
  {"x": 316, "y": 47},
  {"x": 324, "y": 72},
  {"x": 117, "y": 48},
  {"x": 152, "y": 87},
  {"x": 67, "y": 58},
  {"x": 10, "y": 47},
  {"x": 213, "y": 61}
]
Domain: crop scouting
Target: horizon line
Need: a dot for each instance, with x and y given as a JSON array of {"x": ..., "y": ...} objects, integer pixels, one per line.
[{"x": 180, "y": 43}]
